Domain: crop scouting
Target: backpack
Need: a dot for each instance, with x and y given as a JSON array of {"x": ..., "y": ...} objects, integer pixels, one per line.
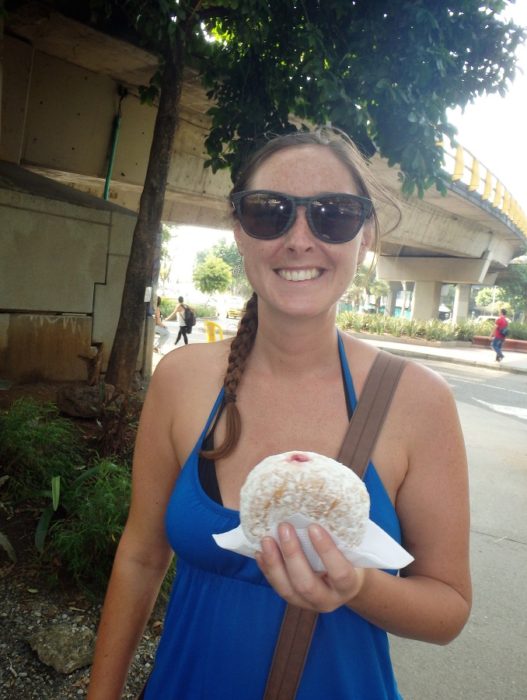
[{"x": 190, "y": 318}]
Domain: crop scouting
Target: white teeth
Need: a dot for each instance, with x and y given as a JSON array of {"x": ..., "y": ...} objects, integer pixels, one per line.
[{"x": 299, "y": 275}]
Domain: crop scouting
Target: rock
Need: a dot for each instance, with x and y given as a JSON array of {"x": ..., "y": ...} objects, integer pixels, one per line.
[
  {"x": 82, "y": 401},
  {"x": 63, "y": 646}
]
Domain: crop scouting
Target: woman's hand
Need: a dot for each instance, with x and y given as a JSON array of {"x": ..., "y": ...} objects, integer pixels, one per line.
[{"x": 290, "y": 574}]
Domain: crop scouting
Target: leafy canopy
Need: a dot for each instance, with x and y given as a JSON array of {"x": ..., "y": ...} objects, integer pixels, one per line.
[
  {"x": 229, "y": 253},
  {"x": 514, "y": 284},
  {"x": 384, "y": 72},
  {"x": 212, "y": 275}
]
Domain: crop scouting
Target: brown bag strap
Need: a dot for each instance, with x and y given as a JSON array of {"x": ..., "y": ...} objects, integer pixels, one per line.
[
  {"x": 368, "y": 419},
  {"x": 298, "y": 624}
]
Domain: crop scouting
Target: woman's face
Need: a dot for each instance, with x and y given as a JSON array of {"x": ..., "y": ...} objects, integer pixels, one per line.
[{"x": 298, "y": 274}]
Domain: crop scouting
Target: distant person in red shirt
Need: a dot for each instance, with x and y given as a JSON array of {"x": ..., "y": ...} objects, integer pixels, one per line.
[{"x": 499, "y": 334}]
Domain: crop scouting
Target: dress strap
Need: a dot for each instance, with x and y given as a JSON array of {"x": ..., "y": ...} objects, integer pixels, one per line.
[
  {"x": 351, "y": 397},
  {"x": 213, "y": 417}
]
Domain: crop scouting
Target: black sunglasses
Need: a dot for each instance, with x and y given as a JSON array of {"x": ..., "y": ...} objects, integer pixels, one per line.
[{"x": 333, "y": 217}]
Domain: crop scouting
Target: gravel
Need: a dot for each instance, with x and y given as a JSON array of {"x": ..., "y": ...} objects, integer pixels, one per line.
[{"x": 29, "y": 604}]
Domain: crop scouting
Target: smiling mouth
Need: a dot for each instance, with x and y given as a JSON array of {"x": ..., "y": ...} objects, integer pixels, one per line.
[{"x": 300, "y": 275}]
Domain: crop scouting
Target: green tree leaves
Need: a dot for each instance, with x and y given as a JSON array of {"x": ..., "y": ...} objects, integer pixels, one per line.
[
  {"x": 386, "y": 73},
  {"x": 228, "y": 252},
  {"x": 212, "y": 275}
]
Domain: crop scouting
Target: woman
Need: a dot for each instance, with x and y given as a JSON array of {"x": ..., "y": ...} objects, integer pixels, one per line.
[
  {"x": 287, "y": 381},
  {"x": 161, "y": 329},
  {"x": 180, "y": 314}
]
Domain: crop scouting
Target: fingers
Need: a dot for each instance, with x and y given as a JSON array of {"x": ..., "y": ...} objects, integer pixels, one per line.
[
  {"x": 341, "y": 575},
  {"x": 272, "y": 564},
  {"x": 287, "y": 569}
]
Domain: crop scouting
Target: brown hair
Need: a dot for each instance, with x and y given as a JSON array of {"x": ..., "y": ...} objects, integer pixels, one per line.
[{"x": 345, "y": 150}]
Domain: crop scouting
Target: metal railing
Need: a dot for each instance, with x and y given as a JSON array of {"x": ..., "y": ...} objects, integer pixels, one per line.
[{"x": 478, "y": 178}]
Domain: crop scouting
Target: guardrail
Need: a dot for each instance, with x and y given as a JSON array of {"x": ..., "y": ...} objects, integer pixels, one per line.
[{"x": 466, "y": 168}]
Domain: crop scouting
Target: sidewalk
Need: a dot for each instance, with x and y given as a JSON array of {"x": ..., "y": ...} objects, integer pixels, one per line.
[{"x": 462, "y": 354}]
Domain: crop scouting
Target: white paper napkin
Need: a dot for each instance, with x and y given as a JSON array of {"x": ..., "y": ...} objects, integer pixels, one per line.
[{"x": 377, "y": 549}]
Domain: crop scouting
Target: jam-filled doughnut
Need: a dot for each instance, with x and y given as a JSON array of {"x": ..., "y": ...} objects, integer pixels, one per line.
[{"x": 316, "y": 486}]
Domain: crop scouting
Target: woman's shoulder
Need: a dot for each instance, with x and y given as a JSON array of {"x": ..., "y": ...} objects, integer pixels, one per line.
[
  {"x": 418, "y": 383},
  {"x": 183, "y": 389},
  {"x": 194, "y": 369}
]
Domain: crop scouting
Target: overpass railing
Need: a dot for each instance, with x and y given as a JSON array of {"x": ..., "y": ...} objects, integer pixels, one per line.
[{"x": 464, "y": 167}]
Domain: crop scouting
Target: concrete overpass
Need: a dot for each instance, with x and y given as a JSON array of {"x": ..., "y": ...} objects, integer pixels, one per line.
[{"x": 62, "y": 86}]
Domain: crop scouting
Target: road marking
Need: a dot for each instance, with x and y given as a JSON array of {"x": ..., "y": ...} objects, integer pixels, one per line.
[
  {"x": 507, "y": 410},
  {"x": 480, "y": 382}
]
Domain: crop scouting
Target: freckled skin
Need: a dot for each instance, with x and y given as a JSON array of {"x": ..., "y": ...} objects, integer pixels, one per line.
[{"x": 301, "y": 171}]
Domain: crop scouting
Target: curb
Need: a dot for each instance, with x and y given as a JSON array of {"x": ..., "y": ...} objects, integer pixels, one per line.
[{"x": 455, "y": 360}]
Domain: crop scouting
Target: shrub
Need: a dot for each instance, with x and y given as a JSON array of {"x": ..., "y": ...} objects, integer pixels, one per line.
[
  {"x": 167, "y": 306},
  {"x": 464, "y": 330},
  {"x": 205, "y": 311},
  {"x": 430, "y": 330},
  {"x": 201, "y": 310},
  {"x": 85, "y": 539},
  {"x": 36, "y": 446},
  {"x": 518, "y": 331}
]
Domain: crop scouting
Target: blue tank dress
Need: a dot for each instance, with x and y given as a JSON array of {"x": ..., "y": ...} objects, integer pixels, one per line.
[{"x": 223, "y": 618}]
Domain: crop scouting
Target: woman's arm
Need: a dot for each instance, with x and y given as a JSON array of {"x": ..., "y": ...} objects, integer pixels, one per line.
[
  {"x": 143, "y": 554},
  {"x": 431, "y": 600}
]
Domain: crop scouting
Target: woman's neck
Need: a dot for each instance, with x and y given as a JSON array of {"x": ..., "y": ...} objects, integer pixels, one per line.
[{"x": 295, "y": 346}]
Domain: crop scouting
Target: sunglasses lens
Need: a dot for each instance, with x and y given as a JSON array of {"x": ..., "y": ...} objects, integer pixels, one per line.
[
  {"x": 337, "y": 219},
  {"x": 264, "y": 215}
]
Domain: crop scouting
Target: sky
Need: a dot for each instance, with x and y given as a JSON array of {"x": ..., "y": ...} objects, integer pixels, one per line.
[{"x": 493, "y": 128}]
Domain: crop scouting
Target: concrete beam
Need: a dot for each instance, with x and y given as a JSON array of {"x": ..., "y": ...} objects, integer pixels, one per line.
[{"x": 445, "y": 270}]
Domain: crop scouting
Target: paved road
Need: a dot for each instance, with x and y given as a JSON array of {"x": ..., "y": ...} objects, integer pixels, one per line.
[
  {"x": 487, "y": 661},
  {"x": 198, "y": 334}
]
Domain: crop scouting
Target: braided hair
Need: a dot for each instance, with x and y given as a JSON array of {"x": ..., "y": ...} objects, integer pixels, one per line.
[{"x": 241, "y": 347}]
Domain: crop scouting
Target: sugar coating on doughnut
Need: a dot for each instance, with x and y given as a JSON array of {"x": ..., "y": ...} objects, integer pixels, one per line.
[{"x": 316, "y": 486}]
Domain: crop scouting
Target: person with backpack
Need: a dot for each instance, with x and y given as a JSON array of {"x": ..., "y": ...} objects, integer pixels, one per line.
[
  {"x": 184, "y": 319},
  {"x": 499, "y": 334}
]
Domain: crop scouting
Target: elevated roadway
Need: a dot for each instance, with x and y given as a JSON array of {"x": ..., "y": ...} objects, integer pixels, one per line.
[{"x": 64, "y": 83}]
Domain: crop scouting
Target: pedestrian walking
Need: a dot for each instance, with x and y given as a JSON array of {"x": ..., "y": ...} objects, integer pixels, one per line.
[
  {"x": 161, "y": 330},
  {"x": 182, "y": 322},
  {"x": 499, "y": 334}
]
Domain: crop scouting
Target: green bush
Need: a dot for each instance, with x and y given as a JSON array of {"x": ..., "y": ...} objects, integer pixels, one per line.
[
  {"x": 428, "y": 330},
  {"x": 465, "y": 330},
  {"x": 381, "y": 325},
  {"x": 167, "y": 306},
  {"x": 201, "y": 310},
  {"x": 86, "y": 537},
  {"x": 36, "y": 446},
  {"x": 80, "y": 501},
  {"x": 205, "y": 311},
  {"x": 518, "y": 331}
]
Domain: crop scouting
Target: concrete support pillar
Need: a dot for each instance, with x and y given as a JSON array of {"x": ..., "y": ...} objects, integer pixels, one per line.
[
  {"x": 392, "y": 298},
  {"x": 425, "y": 300},
  {"x": 461, "y": 300}
]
